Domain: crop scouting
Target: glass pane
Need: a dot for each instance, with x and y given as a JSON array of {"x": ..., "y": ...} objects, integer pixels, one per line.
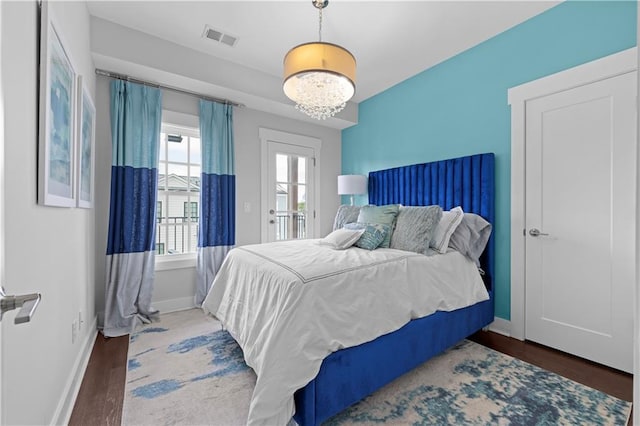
[
  {"x": 302, "y": 169},
  {"x": 160, "y": 239},
  {"x": 159, "y": 213},
  {"x": 282, "y": 197},
  {"x": 177, "y": 151},
  {"x": 302, "y": 198},
  {"x": 163, "y": 146},
  {"x": 282, "y": 168},
  {"x": 177, "y": 169},
  {"x": 298, "y": 225},
  {"x": 177, "y": 238},
  {"x": 195, "y": 178},
  {"x": 177, "y": 177},
  {"x": 162, "y": 168},
  {"x": 195, "y": 151}
]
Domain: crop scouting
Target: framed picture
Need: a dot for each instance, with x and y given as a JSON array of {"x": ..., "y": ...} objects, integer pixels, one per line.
[
  {"x": 85, "y": 149},
  {"x": 58, "y": 81}
]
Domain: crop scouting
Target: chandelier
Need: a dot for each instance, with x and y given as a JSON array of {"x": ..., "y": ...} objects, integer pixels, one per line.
[{"x": 319, "y": 77}]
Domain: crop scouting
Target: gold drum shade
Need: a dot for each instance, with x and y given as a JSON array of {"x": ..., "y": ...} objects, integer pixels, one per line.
[{"x": 319, "y": 75}]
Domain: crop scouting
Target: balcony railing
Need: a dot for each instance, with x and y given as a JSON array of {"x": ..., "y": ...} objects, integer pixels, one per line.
[
  {"x": 291, "y": 226},
  {"x": 173, "y": 232},
  {"x": 176, "y": 234}
]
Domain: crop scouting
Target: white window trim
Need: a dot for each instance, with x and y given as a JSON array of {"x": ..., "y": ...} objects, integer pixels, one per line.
[
  {"x": 175, "y": 261},
  {"x": 266, "y": 135},
  {"x": 183, "y": 123}
]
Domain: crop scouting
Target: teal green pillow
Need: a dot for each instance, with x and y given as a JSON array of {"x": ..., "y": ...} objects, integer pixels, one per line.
[
  {"x": 384, "y": 215},
  {"x": 373, "y": 235}
]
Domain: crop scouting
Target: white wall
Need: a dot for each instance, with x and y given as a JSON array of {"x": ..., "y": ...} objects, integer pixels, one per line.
[
  {"x": 48, "y": 250},
  {"x": 175, "y": 288}
]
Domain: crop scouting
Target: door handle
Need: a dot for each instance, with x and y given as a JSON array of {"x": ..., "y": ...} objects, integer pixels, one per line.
[
  {"x": 272, "y": 221},
  {"x": 536, "y": 233},
  {"x": 26, "y": 302}
]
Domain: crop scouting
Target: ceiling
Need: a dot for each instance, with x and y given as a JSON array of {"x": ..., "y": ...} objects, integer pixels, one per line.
[{"x": 391, "y": 40}]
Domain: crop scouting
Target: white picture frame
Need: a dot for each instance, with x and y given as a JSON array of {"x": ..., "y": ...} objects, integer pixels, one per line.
[
  {"x": 85, "y": 149},
  {"x": 57, "y": 117}
]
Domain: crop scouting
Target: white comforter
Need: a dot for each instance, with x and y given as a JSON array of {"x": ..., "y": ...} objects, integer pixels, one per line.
[{"x": 290, "y": 304}]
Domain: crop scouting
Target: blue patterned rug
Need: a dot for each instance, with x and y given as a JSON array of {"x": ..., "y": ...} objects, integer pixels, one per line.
[{"x": 185, "y": 370}]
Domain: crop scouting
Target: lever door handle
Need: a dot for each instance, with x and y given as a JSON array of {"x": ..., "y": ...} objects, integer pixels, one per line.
[
  {"x": 536, "y": 233},
  {"x": 26, "y": 302}
]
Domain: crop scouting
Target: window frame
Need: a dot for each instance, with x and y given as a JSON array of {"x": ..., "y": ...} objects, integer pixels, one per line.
[
  {"x": 188, "y": 208},
  {"x": 178, "y": 260}
]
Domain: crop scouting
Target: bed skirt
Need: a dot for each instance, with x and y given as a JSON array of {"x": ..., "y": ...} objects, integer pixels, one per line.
[{"x": 349, "y": 375}]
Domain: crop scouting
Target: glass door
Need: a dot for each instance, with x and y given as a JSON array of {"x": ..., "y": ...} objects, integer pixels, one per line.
[{"x": 291, "y": 204}]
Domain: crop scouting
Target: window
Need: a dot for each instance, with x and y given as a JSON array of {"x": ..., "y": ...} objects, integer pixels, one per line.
[
  {"x": 191, "y": 210},
  {"x": 159, "y": 211},
  {"x": 178, "y": 190}
]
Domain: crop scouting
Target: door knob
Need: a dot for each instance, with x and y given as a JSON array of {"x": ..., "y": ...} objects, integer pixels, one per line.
[
  {"x": 26, "y": 302},
  {"x": 536, "y": 232},
  {"x": 272, "y": 221}
]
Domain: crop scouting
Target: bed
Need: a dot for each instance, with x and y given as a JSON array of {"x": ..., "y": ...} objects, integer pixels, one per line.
[{"x": 350, "y": 371}]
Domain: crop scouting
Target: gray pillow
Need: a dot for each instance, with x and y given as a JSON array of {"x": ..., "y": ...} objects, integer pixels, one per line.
[
  {"x": 471, "y": 236},
  {"x": 346, "y": 214},
  {"x": 415, "y": 227}
]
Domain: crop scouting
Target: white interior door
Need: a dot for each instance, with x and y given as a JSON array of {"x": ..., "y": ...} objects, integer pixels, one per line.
[
  {"x": 290, "y": 204},
  {"x": 580, "y": 220}
]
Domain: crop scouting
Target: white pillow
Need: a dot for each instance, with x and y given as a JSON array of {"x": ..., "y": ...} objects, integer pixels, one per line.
[
  {"x": 447, "y": 225},
  {"x": 341, "y": 239}
]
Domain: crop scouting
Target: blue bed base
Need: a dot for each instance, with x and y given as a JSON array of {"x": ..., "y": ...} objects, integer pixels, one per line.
[{"x": 351, "y": 374}]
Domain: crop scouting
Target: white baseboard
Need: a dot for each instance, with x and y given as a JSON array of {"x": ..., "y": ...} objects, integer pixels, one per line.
[
  {"x": 173, "y": 305},
  {"x": 72, "y": 387},
  {"x": 501, "y": 326}
]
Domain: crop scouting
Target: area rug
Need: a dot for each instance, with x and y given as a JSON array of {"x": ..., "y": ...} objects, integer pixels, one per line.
[{"x": 186, "y": 370}]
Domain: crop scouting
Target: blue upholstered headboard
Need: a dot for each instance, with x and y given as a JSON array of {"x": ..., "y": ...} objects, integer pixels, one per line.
[{"x": 466, "y": 181}]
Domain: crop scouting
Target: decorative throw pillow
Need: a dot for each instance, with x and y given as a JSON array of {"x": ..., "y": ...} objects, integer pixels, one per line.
[
  {"x": 345, "y": 214},
  {"x": 341, "y": 239},
  {"x": 373, "y": 235},
  {"x": 415, "y": 227},
  {"x": 385, "y": 215},
  {"x": 471, "y": 236},
  {"x": 448, "y": 224}
]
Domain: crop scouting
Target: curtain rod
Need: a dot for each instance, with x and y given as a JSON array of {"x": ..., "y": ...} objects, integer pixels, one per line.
[{"x": 162, "y": 86}]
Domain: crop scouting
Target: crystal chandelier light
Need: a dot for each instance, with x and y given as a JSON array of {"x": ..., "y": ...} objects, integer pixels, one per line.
[{"x": 319, "y": 77}]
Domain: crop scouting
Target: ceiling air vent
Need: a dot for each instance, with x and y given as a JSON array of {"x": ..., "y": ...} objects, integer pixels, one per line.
[{"x": 219, "y": 36}]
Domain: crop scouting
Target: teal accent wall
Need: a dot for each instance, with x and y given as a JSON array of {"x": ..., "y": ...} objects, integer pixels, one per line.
[{"x": 459, "y": 107}]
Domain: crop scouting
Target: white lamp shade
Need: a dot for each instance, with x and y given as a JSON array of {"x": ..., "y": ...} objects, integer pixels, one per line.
[{"x": 352, "y": 184}]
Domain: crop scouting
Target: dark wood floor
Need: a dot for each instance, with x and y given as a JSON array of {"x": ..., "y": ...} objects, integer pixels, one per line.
[{"x": 101, "y": 394}]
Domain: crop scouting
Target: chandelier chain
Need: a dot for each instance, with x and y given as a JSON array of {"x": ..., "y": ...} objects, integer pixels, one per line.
[{"x": 320, "y": 24}]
